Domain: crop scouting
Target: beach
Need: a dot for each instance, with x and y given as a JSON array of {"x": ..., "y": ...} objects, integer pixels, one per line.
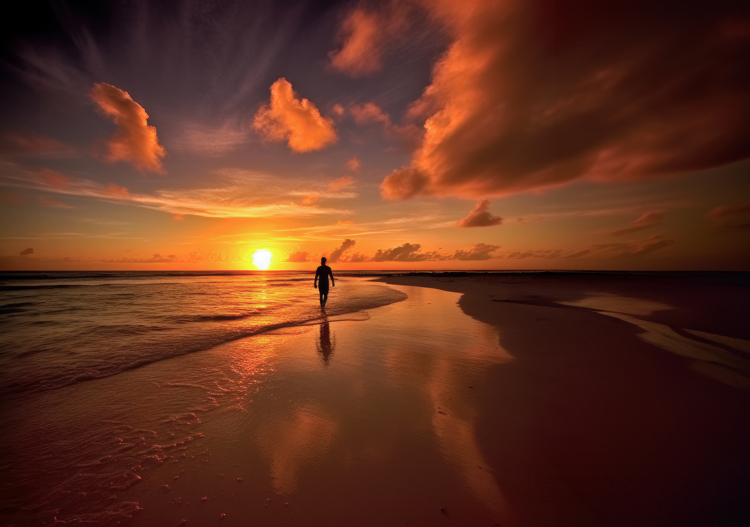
[{"x": 507, "y": 399}]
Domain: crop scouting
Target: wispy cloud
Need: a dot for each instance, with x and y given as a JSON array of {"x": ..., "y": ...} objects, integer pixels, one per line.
[
  {"x": 731, "y": 216},
  {"x": 646, "y": 221},
  {"x": 235, "y": 194}
]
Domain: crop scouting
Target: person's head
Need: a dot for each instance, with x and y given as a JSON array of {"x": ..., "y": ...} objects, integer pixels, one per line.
[{"x": 323, "y": 261}]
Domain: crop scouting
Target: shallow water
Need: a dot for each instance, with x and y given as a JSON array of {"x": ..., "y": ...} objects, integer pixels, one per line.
[
  {"x": 59, "y": 329},
  {"x": 274, "y": 428}
]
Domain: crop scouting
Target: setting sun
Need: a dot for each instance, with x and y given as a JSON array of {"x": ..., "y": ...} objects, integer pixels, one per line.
[{"x": 262, "y": 259}]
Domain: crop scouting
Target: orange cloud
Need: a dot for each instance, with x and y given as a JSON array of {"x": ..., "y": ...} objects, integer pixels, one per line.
[
  {"x": 311, "y": 198},
  {"x": 342, "y": 182},
  {"x": 365, "y": 35},
  {"x": 369, "y": 113},
  {"x": 135, "y": 141},
  {"x": 354, "y": 164},
  {"x": 298, "y": 257},
  {"x": 286, "y": 118},
  {"x": 178, "y": 217},
  {"x": 529, "y": 97},
  {"x": 116, "y": 191},
  {"x": 480, "y": 217},
  {"x": 27, "y": 252}
]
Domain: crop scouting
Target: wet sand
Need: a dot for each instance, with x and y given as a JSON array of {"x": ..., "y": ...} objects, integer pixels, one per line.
[
  {"x": 476, "y": 401},
  {"x": 626, "y": 402}
]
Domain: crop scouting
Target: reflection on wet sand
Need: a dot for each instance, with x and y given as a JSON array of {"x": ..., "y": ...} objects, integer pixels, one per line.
[
  {"x": 294, "y": 441},
  {"x": 324, "y": 344}
]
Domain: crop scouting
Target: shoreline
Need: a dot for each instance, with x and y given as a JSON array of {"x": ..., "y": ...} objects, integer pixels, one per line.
[{"x": 601, "y": 419}]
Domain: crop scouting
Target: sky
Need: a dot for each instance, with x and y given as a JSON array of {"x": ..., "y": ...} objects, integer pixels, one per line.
[{"x": 411, "y": 134}]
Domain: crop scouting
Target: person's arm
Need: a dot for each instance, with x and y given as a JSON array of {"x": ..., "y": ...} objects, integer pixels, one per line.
[
  {"x": 330, "y": 272},
  {"x": 315, "y": 284}
]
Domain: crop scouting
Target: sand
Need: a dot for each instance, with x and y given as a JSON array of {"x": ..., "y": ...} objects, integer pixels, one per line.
[{"x": 532, "y": 401}]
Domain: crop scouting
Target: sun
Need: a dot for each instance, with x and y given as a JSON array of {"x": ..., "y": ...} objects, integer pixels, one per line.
[{"x": 262, "y": 259}]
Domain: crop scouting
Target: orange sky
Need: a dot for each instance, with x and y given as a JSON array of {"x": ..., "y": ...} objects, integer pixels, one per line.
[{"x": 384, "y": 135}]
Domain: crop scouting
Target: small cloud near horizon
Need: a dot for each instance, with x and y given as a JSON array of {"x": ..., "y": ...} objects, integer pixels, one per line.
[
  {"x": 27, "y": 252},
  {"x": 480, "y": 217}
]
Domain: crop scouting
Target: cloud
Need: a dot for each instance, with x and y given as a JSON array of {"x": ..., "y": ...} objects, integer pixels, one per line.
[
  {"x": 648, "y": 220},
  {"x": 480, "y": 217},
  {"x": 29, "y": 143},
  {"x": 354, "y": 164},
  {"x": 53, "y": 178},
  {"x": 193, "y": 257},
  {"x": 210, "y": 141},
  {"x": 405, "y": 253},
  {"x": 297, "y": 257},
  {"x": 178, "y": 217},
  {"x": 231, "y": 194},
  {"x": 135, "y": 141},
  {"x": 311, "y": 198},
  {"x": 370, "y": 112},
  {"x": 528, "y": 96},
  {"x": 27, "y": 252},
  {"x": 539, "y": 253},
  {"x": 365, "y": 36},
  {"x": 731, "y": 216},
  {"x": 633, "y": 248},
  {"x": 342, "y": 182},
  {"x": 345, "y": 246},
  {"x": 286, "y": 118},
  {"x": 53, "y": 203},
  {"x": 480, "y": 251}
]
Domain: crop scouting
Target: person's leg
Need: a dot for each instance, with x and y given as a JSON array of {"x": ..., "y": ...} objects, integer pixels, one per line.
[
  {"x": 322, "y": 296},
  {"x": 325, "y": 299}
]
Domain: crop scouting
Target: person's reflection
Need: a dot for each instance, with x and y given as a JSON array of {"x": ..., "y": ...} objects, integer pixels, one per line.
[{"x": 325, "y": 347}]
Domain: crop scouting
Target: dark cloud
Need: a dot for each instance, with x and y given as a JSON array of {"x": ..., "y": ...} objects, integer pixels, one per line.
[
  {"x": 578, "y": 254},
  {"x": 480, "y": 217},
  {"x": 298, "y": 257},
  {"x": 646, "y": 221},
  {"x": 405, "y": 253},
  {"x": 633, "y": 248},
  {"x": 539, "y": 253},
  {"x": 480, "y": 251},
  {"x": 336, "y": 254},
  {"x": 731, "y": 216},
  {"x": 27, "y": 252},
  {"x": 534, "y": 94}
]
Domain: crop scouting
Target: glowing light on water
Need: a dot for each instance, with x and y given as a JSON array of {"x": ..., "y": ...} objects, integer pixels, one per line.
[{"x": 262, "y": 259}]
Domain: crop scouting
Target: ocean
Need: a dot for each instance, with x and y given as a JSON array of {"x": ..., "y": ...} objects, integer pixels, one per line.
[
  {"x": 63, "y": 328},
  {"x": 105, "y": 376}
]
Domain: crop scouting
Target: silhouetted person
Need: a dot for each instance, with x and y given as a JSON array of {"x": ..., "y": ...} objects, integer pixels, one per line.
[
  {"x": 322, "y": 274},
  {"x": 325, "y": 347}
]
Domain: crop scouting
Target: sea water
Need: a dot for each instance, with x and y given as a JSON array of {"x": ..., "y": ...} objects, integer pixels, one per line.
[{"x": 105, "y": 376}]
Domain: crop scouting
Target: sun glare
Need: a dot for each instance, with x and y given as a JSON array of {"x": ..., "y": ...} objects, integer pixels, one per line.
[{"x": 262, "y": 259}]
